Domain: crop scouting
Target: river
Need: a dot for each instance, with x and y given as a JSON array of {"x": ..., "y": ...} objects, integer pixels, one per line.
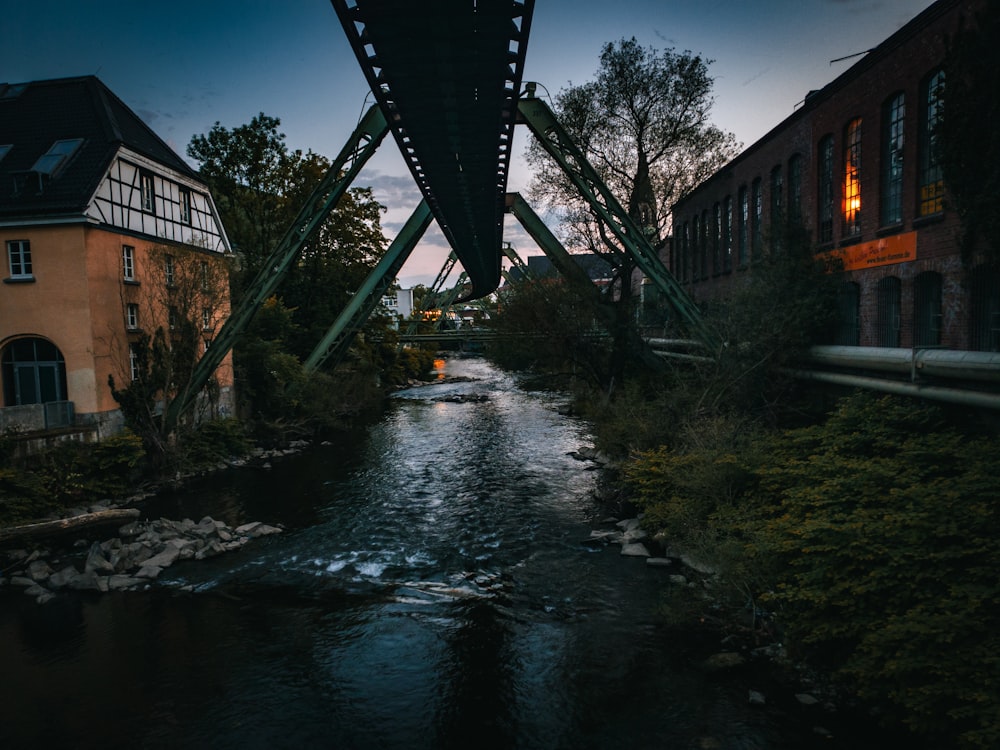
[{"x": 430, "y": 591}]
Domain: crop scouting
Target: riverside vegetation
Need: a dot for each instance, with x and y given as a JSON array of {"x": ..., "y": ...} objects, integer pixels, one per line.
[{"x": 861, "y": 532}]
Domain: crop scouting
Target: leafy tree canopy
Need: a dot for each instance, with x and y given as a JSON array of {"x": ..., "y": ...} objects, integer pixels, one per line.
[{"x": 643, "y": 123}]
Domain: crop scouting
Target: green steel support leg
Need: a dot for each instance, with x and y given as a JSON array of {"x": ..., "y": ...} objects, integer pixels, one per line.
[
  {"x": 364, "y": 141},
  {"x": 550, "y": 245},
  {"x": 431, "y": 295},
  {"x": 334, "y": 345},
  {"x": 556, "y": 141}
]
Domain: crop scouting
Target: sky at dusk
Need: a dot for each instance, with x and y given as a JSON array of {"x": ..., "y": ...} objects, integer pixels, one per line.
[{"x": 184, "y": 65}]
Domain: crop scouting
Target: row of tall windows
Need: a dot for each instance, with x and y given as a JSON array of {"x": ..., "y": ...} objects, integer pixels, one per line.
[
  {"x": 930, "y": 177},
  {"x": 925, "y": 313},
  {"x": 733, "y": 231}
]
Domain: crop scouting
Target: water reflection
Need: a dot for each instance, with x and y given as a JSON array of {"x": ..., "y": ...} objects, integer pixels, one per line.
[{"x": 430, "y": 592}]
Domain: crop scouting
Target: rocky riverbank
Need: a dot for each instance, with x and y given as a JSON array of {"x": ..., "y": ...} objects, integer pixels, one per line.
[{"x": 133, "y": 558}]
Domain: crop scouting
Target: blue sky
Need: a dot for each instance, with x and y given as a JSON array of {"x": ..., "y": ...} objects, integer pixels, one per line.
[{"x": 186, "y": 64}]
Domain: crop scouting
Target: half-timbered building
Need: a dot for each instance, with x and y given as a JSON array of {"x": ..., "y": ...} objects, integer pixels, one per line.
[{"x": 100, "y": 222}]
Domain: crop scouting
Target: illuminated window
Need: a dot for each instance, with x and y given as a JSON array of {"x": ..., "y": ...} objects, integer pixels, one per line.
[
  {"x": 128, "y": 263},
  {"x": 19, "y": 259},
  {"x": 825, "y": 190},
  {"x": 852, "y": 178},
  {"x": 931, "y": 176},
  {"x": 744, "y": 227},
  {"x": 892, "y": 161}
]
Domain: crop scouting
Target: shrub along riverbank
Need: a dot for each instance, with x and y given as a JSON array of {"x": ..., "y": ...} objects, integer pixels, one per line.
[{"x": 868, "y": 542}]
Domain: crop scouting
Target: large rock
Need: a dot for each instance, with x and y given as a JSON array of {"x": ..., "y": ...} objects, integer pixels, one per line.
[
  {"x": 61, "y": 578},
  {"x": 635, "y": 549},
  {"x": 164, "y": 559},
  {"x": 97, "y": 562}
]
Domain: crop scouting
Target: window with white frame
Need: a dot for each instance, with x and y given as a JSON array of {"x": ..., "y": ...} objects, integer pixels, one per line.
[
  {"x": 133, "y": 361},
  {"x": 19, "y": 259},
  {"x": 128, "y": 263},
  {"x": 132, "y": 316},
  {"x": 206, "y": 319},
  {"x": 146, "y": 198},
  {"x": 185, "y": 200},
  {"x": 168, "y": 269}
]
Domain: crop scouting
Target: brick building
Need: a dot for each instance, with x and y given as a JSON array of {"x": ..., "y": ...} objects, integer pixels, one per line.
[
  {"x": 855, "y": 164},
  {"x": 108, "y": 236}
]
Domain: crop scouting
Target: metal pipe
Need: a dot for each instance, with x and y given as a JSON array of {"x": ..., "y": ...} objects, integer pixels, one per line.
[
  {"x": 934, "y": 393},
  {"x": 941, "y": 363}
]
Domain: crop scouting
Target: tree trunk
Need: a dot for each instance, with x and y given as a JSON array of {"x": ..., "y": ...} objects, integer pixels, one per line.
[{"x": 63, "y": 526}]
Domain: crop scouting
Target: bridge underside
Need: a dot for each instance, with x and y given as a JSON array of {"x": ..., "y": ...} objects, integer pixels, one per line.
[{"x": 447, "y": 75}]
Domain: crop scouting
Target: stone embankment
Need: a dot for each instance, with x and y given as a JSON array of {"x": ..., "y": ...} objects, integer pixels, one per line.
[
  {"x": 134, "y": 558},
  {"x": 700, "y": 578}
]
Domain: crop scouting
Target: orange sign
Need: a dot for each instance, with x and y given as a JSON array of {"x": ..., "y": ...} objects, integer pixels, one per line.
[{"x": 898, "y": 248}]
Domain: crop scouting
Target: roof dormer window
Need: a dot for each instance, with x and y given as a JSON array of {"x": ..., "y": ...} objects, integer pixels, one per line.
[{"x": 58, "y": 154}]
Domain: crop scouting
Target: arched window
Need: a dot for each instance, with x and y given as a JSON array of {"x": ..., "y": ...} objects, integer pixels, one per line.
[
  {"x": 744, "y": 227},
  {"x": 984, "y": 315},
  {"x": 34, "y": 372},
  {"x": 795, "y": 189},
  {"x": 717, "y": 239},
  {"x": 848, "y": 331},
  {"x": 887, "y": 312},
  {"x": 685, "y": 259},
  {"x": 824, "y": 187},
  {"x": 852, "y": 178},
  {"x": 727, "y": 234},
  {"x": 695, "y": 246},
  {"x": 892, "y": 160},
  {"x": 777, "y": 206},
  {"x": 931, "y": 174},
  {"x": 927, "y": 309},
  {"x": 703, "y": 244},
  {"x": 756, "y": 230}
]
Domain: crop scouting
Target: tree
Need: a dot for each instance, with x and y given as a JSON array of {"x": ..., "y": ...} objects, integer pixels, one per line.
[
  {"x": 643, "y": 125},
  {"x": 171, "y": 318},
  {"x": 968, "y": 134}
]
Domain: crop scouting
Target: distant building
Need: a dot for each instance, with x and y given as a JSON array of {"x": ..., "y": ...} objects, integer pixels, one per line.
[
  {"x": 100, "y": 223},
  {"x": 597, "y": 268},
  {"x": 398, "y": 303},
  {"x": 856, "y": 166}
]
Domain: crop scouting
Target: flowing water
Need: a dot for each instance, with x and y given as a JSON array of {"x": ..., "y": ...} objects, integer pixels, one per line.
[{"x": 430, "y": 591}]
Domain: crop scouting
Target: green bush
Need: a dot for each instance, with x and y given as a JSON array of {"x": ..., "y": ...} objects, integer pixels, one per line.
[{"x": 880, "y": 531}]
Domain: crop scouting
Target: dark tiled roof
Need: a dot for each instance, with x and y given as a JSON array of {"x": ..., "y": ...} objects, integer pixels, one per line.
[{"x": 43, "y": 112}]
